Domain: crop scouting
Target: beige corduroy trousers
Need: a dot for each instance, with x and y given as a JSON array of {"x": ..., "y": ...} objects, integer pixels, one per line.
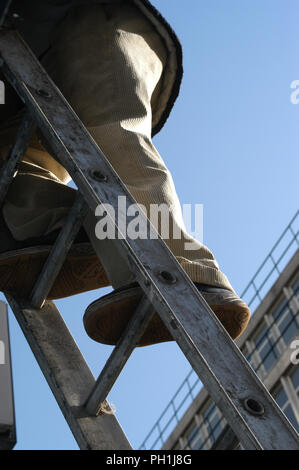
[{"x": 108, "y": 61}]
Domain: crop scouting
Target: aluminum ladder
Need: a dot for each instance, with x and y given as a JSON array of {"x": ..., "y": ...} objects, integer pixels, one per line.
[{"x": 246, "y": 404}]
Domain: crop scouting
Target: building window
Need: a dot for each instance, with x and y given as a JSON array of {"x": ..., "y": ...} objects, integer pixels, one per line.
[
  {"x": 284, "y": 403},
  {"x": 204, "y": 429},
  {"x": 265, "y": 349},
  {"x": 287, "y": 396},
  {"x": 295, "y": 380},
  {"x": 193, "y": 437},
  {"x": 214, "y": 422},
  {"x": 248, "y": 352},
  {"x": 274, "y": 335},
  {"x": 286, "y": 321},
  {"x": 295, "y": 286}
]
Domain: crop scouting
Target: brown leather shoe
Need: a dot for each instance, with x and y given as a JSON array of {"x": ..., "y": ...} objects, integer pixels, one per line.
[
  {"x": 21, "y": 263},
  {"x": 106, "y": 318}
]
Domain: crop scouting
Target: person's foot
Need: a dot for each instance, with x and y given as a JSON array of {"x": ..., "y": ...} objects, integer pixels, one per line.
[
  {"x": 22, "y": 262},
  {"x": 233, "y": 312},
  {"x": 106, "y": 318}
]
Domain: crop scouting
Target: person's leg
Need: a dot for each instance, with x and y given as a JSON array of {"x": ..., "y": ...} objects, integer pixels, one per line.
[
  {"x": 108, "y": 62},
  {"x": 38, "y": 199}
]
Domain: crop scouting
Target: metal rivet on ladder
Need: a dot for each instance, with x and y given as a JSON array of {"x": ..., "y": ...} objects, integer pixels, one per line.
[
  {"x": 254, "y": 407},
  {"x": 44, "y": 93},
  {"x": 98, "y": 176},
  {"x": 167, "y": 277}
]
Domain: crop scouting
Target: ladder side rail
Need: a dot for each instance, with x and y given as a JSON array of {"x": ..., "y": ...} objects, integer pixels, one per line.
[
  {"x": 67, "y": 375},
  {"x": 10, "y": 165}
]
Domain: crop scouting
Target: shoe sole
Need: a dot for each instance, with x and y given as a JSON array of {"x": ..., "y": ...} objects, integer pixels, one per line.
[
  {"x": 81, "y": 271},
  {"x": 105, "y": 319}
]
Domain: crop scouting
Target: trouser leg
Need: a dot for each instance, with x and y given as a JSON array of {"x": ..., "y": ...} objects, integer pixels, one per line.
[{"x": 108, "y": 62}]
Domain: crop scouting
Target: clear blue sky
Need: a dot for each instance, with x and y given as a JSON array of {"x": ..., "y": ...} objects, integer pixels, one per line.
[{"x": 232, "y": 145}]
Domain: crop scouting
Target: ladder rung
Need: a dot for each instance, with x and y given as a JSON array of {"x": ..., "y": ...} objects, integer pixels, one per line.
[
  {"x": 23, "y": 137},
  {"x": 121, "y": 353},
  {"x": 226, "y": 441},
  {"x": 59, "y": 252}
]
